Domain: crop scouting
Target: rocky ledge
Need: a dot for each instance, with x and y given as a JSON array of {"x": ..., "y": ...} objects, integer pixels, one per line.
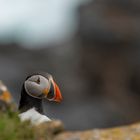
[
  {"x": 12, "y": 129},
  {"x": 130, "y": 132}
]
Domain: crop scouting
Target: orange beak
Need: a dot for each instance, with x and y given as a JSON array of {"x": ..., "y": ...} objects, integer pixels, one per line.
[{"x": 58, "y": 96}]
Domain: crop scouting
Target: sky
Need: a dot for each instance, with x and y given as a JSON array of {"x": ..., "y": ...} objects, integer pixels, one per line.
[{"x": 31, "y": 22}]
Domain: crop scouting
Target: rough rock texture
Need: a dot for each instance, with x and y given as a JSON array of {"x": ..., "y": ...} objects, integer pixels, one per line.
[
  {"x": 47, "y": 131},
  {"x": 131, "y": 132}
]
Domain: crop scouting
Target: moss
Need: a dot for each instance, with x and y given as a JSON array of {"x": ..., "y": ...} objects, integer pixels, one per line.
[{"x": 12, "y": 129}]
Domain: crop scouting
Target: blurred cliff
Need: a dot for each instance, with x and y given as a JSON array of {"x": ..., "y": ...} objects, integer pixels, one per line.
[{"x": 97, "y": 69}]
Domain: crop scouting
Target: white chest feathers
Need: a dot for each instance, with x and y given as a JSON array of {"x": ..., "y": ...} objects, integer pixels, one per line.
[{"x": 34, "y": 116}]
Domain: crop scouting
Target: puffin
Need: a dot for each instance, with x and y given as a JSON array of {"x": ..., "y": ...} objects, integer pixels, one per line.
[{"x": 37, "y": 87}]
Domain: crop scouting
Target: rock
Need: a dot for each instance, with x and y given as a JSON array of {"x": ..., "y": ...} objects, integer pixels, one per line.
[
  {"x": 131, "y": 132},
  {"x": 46, "y": 131},
  {"x": 53, "y": 127}
]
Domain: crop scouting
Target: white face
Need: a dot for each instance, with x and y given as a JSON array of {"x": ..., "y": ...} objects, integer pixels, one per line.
[{"x": 35, "y": 85}]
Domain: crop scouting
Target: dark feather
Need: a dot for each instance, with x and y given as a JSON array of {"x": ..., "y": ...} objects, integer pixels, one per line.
[{"x": 27, "y": 102}]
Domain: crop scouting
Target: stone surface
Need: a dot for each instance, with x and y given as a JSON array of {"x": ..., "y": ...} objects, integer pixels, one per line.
[
  {"x": 131, "y": 132},
  {"x": 46, "y": 131}
]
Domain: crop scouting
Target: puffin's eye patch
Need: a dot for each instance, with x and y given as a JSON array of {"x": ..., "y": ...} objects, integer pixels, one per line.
[{"x": 51, "y": 93}]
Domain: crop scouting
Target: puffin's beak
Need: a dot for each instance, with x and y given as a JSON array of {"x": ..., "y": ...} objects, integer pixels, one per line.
[
  {"x": 54, "y": 92},
  {"x": 6, "y": 96},
  {"x": 58, "y": 96}
]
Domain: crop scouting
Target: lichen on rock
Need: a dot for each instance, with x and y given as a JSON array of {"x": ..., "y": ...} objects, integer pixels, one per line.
[{"x": 130, "y": 132}]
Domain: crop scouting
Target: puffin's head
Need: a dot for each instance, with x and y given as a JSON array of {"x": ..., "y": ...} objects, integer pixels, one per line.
[{"x": 40, "y": 86}]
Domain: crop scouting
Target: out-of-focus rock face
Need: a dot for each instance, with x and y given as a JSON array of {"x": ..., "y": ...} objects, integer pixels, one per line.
[
  {"x": 109, "y": 38},
  {"x": 112, "y": 23}
]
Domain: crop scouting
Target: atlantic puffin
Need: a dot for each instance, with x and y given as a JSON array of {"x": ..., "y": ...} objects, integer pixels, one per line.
[{"x": 35, "y": 88}]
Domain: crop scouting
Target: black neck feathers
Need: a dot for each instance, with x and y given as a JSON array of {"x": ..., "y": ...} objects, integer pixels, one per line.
[{"x": 27, "y": 102}]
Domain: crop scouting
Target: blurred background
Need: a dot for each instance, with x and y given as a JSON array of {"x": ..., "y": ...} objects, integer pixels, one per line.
[{"x": 92, "y": 48}]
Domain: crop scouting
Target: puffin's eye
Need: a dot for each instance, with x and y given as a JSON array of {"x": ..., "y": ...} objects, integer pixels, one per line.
[
  {"x": 38, "y": 81},
  {"x": 51, "y": 93}
]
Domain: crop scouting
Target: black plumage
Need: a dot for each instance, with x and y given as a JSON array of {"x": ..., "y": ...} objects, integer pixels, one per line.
[{"x": 27, "y": 102}]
